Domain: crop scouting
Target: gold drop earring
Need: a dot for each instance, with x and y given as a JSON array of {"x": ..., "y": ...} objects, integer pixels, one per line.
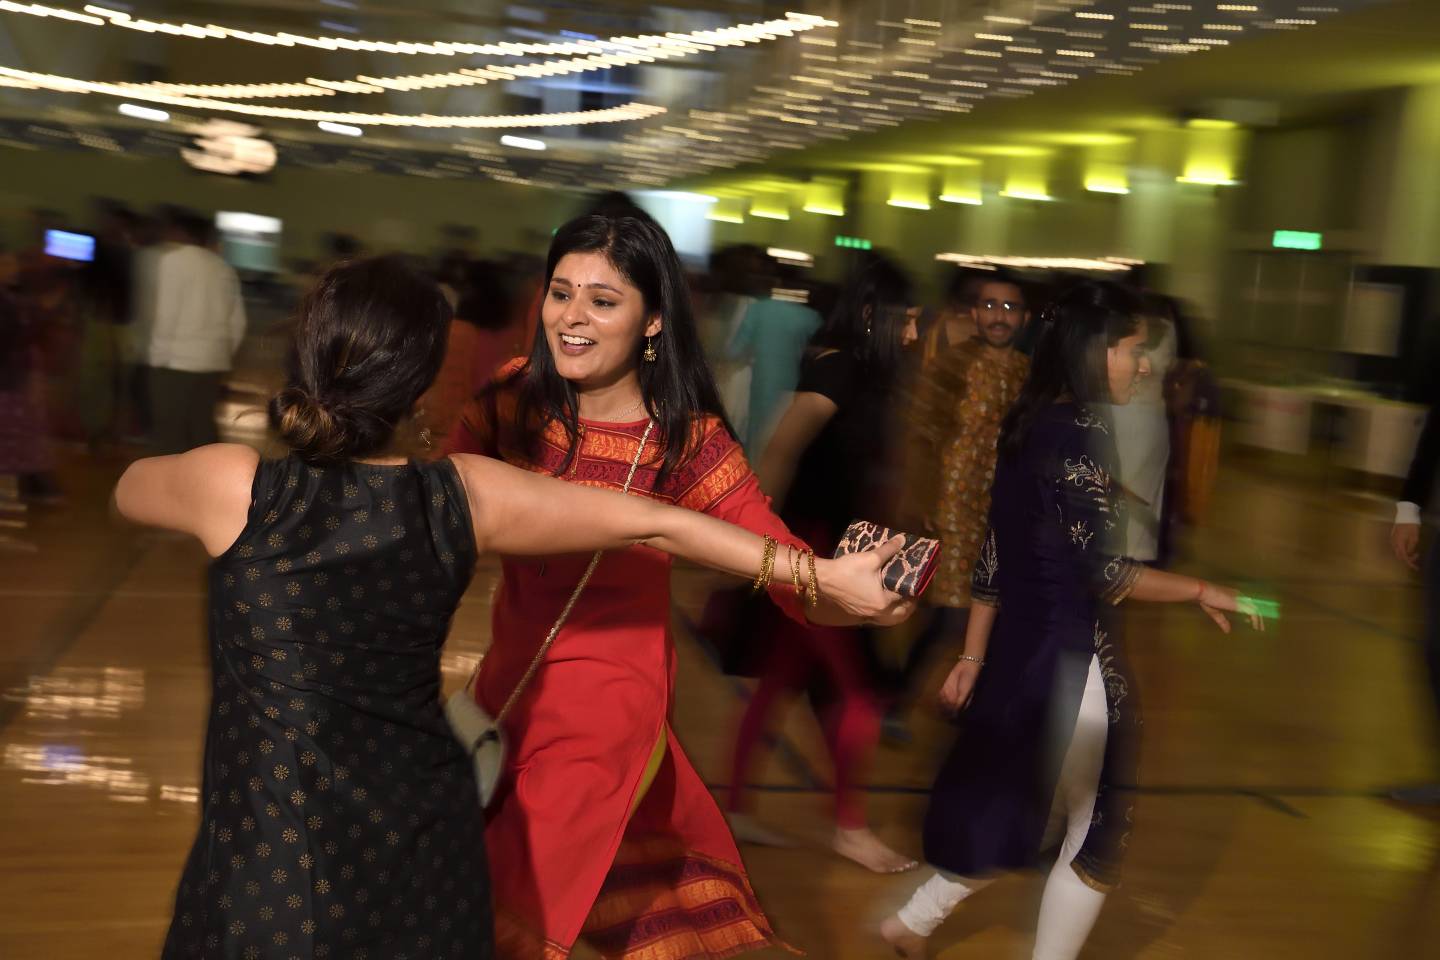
[{"x": 650, "y": 355}]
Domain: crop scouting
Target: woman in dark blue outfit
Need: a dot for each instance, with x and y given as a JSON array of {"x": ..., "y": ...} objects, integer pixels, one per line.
[{"x": 1050, "y": 722}]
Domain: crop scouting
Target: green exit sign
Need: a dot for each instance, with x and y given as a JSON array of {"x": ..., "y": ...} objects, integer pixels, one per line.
[
  {"x": 1295, "y": 240},
  {"x": 853, "y": 243}
]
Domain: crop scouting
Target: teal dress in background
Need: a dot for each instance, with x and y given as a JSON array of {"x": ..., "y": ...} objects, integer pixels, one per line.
[{"x": 773, "y": 336}]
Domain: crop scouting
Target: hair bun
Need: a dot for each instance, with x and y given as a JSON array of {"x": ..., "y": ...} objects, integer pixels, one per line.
[{"x": 313, "y": 429}]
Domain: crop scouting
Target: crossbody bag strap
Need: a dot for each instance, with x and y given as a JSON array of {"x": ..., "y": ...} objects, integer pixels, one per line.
[{"x": 569, "y": 604}]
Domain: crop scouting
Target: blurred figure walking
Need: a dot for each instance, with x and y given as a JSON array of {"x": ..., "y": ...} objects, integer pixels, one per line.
[
  {"x": 772, "y": 338},
  {"x": 1417, "y": 500},
  {"x": 960, "y": 401},
  {"x": 831, "y": 461},
  {"x": 196, "y": 324}
]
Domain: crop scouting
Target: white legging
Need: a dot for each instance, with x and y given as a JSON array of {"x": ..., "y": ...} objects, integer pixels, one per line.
[{"x": 1068, "y": 907}]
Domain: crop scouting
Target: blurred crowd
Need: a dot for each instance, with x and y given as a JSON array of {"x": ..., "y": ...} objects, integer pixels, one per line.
[{"x": 122, "y": 333}]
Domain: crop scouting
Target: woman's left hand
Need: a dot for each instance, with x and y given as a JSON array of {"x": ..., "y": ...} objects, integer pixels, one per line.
[
  {"x": 959, "y": 686},
  {"x": 854, "y": 584},
  {"x": 1218, "y": 600}
]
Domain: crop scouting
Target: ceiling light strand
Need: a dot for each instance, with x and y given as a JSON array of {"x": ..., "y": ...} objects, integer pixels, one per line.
[{"x": 625, "y": 112}]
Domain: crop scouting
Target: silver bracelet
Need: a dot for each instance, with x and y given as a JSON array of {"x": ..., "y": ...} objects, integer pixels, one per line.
[{"x": 979, "y": 660}]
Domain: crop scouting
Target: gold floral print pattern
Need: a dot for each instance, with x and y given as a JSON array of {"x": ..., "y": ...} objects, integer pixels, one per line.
[{"x": 331, "y": 775}]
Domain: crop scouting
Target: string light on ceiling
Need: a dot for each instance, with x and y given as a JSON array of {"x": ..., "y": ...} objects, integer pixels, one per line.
[
  {"x": 875, "y": 73},
  {"x": 999, "y": 56},
  {"x": 625, "y": 112},
  {"x": 100, "y": 16},
  {"x": 472, "y": 76}
]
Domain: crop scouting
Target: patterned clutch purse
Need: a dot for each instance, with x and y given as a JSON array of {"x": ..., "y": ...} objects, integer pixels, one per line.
[{"x": 909, "y": 573}]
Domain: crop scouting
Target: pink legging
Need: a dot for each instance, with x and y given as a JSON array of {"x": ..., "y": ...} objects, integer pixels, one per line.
[{"x": 851, "y": 724}]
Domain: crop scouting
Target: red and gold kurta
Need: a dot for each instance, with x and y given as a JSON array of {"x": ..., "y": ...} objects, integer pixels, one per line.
[{"x": 567, "y": 856}]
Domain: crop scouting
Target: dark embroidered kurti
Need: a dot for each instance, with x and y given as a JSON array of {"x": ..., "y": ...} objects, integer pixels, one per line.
[{"x": 1047, "y": 562}]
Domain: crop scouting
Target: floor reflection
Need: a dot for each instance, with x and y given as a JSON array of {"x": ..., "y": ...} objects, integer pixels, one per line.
[
  {"x": 68, "y": 765},
  {"x": 82, "y": 693}
]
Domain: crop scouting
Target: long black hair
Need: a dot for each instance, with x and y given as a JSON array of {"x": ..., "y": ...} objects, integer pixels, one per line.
[
  {"x": 678, "y": 388},
  {"x": 869, "y": 317},
  {"x": 1076, "y": 328}
]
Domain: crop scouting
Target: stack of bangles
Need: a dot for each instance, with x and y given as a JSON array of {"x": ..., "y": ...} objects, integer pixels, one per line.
[{"x": 799, "y": 559}]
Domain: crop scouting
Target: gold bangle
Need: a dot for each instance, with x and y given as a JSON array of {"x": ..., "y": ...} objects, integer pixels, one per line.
[
  {"x": 814, "y": 583},
  {"x": 767, "y": 565},
  {"x": 796, "y": 559}
]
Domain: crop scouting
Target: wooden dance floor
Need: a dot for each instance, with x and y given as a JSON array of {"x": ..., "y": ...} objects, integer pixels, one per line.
[{"x": 1262, "y": 829}]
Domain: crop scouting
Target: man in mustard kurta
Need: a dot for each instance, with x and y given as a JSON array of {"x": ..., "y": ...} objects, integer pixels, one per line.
[{"x": 960, "y": 400}]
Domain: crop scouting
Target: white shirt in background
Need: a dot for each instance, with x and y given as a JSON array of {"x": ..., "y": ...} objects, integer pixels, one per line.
[
  {"x": 196, "y": 314},
  {"x": 1142, "y": 443}
]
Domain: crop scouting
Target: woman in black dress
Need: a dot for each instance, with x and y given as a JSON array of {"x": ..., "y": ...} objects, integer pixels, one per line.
[
  {"x": 1052, "y": 723},
  {"x": 339, "y": 818},
  {"x": 829, "y": 462}
]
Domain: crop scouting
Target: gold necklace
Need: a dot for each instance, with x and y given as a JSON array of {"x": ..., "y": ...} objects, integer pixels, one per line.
[{"x": 620, "y": 417}]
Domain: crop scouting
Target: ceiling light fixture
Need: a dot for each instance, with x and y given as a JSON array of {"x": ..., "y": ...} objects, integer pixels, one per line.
[
  {"x": 1103, "y": 264},
  {"x": 1208, "y": 181},
  {"x": 798, "y": 257},
  {"x": 143, "y": 113},
  {"x": 522, "y": 143}
]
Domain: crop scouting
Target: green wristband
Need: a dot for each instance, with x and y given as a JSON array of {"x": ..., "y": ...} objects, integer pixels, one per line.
[{"x": 1258, "y": 607}]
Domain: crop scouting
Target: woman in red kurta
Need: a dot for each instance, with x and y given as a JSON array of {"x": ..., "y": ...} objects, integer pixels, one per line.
[{"x": 601, "y": 828}]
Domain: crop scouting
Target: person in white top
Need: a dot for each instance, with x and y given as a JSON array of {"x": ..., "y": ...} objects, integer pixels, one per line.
[
  {"x": 195, "y": 321},
  {"x": 1142, "y": 443},
  {"x": 1417, "y": 495}
]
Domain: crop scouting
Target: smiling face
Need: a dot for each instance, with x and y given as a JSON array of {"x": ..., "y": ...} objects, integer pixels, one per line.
[
  {"x": 595, "y": 321},
  {"x": 1128, "y": 362}
]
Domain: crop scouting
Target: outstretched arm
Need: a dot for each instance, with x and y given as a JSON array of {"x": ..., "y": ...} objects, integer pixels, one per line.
[
  {"x": 524, "y": 514},
  {"x": 1087, "y": 513},
  {"x": 745, "y": 505},
  {"x": 204, "y": 492}
]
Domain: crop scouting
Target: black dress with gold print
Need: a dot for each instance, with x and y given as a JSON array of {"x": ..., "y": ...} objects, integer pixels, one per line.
[{"x": 338, "y": 816}]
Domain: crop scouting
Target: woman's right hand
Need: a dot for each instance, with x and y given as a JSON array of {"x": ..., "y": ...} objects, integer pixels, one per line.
[
  {"x": 959, "y": 685},
  {"x": 1217, "y": 600},
  {"x": 854, "y": 584}
]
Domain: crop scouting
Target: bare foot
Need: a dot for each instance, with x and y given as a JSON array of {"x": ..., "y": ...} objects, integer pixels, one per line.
[
  {"x": 749, "y": 830},
  {"x": 870, "y": 852},
  {"x": 907, "y": 942}
]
